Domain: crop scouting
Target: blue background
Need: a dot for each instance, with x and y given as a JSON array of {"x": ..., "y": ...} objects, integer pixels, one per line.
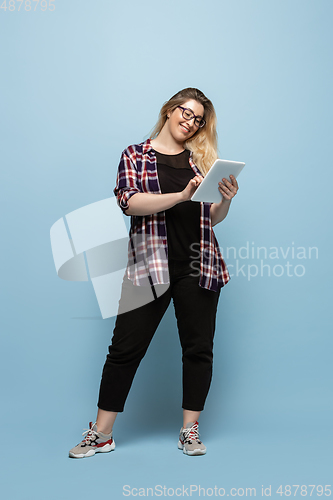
[{"x": 78, "y": 85}]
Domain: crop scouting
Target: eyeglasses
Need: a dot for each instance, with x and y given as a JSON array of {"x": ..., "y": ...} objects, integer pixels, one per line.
[{"x": 189, "y": 115}]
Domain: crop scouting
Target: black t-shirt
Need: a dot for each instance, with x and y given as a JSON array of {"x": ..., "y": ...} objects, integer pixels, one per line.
[{"x": 182, "y": 220}]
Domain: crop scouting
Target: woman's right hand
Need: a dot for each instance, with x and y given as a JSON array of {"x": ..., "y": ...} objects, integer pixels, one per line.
[
  {"x": 149, "y": 203},
  {"x": 191, "y": 187}
]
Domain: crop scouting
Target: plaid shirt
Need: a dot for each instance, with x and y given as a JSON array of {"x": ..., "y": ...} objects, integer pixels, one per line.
[{"x": 148, "y": 252}]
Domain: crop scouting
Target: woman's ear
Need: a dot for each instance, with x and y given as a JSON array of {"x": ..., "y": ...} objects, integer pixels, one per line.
[{"x": 169, "y": 112}]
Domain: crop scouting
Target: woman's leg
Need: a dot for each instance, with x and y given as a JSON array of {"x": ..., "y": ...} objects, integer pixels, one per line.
[
  {"x": 131, "y": 337},
  {"x": 133, "y": 332},
  {"x": 190, "y": 416},
  {"x": 105, "y": 421},
  {"x": 195, "y": 309}
]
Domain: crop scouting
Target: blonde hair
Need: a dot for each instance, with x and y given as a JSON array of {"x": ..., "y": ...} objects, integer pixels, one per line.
[{"x": 203, "y": 143}]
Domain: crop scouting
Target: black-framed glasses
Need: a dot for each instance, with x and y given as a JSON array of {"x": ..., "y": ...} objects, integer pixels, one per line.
[{"x": 189, "y": 115}]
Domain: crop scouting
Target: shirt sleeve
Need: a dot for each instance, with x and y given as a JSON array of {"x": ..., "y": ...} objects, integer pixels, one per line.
[{"x": 127, "y": 181}]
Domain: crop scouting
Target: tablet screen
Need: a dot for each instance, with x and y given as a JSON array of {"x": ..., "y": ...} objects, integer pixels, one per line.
[{"x": 208, "y": 190}]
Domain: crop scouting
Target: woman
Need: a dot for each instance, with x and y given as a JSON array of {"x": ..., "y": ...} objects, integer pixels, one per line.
[{"x": 155, "y": 182}]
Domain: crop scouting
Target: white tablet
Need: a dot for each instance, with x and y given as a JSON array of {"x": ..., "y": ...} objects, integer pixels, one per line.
[{"x": 208, "y": 190}]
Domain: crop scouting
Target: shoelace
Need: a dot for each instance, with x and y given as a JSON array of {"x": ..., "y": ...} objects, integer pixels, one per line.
[
  {"x": 91, "y": 434},
  {"x": 192, "y": 433}
]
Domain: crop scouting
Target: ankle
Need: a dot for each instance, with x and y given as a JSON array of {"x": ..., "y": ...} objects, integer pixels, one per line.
[
  {"x": 192, "y": 422},
  {"x": 103, "y": 430}
]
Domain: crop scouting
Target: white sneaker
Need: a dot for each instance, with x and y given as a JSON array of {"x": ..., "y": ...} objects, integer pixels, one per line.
[
  {"x": 189, "y": 440},
  {"x": 94, "y": 442}
]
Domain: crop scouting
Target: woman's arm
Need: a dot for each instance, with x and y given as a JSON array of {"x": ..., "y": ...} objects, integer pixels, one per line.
[
  {"x": 148, "y": 203},
  {"x": 219, "y": 211}
]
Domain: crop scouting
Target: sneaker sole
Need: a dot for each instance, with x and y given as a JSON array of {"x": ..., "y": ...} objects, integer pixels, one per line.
[
  {"x": 192, "y": 453},
  {"x": 105, "y": 449}
]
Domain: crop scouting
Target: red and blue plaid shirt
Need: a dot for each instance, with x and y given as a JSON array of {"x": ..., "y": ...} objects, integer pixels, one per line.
[{"x": 148, "y": 252}]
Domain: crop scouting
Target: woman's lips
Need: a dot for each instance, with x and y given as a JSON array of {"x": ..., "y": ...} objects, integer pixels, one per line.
[{"x": 184, "y": 128}]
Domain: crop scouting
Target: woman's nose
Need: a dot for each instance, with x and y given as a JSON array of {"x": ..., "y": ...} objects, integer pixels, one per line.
[{"x": 190, "y": 121}]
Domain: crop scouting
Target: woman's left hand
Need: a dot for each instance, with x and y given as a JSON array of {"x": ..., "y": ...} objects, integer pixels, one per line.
[{"x": 228, "y": 189}]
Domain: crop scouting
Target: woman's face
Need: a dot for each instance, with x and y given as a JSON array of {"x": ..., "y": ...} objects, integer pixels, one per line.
[{"x": 181, "y": 129}]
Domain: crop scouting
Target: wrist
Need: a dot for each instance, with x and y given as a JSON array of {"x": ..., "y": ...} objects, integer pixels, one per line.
[
  {"x": 224, "y": 201},
  {"x": 181, "y": 197}
]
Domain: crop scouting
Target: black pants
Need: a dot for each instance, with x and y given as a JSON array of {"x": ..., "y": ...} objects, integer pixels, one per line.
[{"x": 195, "y": 309}]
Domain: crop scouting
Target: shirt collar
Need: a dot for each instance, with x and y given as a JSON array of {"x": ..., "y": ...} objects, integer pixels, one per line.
[{"x": 147, "y": 147}]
